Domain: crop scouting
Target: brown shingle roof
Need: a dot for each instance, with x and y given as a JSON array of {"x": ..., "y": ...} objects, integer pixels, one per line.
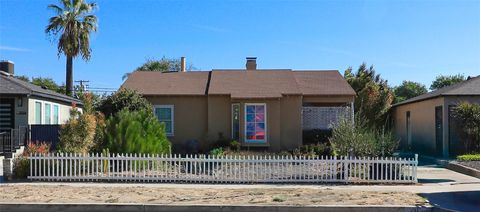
[
  {"x": 253, "y": 84},
  {"x": 240, "y": 83},
  {"x": 170, "y": 83},
  {"x": 322, "y": 83}
]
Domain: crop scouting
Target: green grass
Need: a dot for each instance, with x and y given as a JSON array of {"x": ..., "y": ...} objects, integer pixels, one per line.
[
  {"x": 469, "y": 157},
  {"x": 279, "y": 199}
]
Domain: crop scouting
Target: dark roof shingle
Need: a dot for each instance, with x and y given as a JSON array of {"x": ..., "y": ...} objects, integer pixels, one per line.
[
  {"x": 465, "y": 88},
  {"x": 14, "y": 86}
]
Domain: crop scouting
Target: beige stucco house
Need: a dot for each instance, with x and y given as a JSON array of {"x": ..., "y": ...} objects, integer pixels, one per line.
[
  {"x": 261, "y": 108},
  {"x": 425, "y": 123}
]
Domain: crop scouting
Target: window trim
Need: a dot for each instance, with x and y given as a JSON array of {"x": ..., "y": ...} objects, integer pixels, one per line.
[
  {"x": 239, "y": 115},
  {"x": 53, "y": 114},
  {"x": 45, "y": 113},
  {"x": 245, "y": 123},
  {"x": 172, "y": 116},
  {"x": 41, "y": 113}
]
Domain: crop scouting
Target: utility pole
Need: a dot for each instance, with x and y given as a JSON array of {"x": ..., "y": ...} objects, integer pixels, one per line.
[{"x": 83, "y": 84}]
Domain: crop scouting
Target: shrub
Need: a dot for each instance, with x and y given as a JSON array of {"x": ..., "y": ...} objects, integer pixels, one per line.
[
  {"x": 313, "y": 150},
  {"x": 316, "y": 136},
  {"x": 235, "y": 145},
  {"x": 357, "y": 139},
  {"x": 21, "y": 164},
  {"x": 21, "y": 167},
  {"x": 136, "y": 132},
  {"x": 469, "y": 119},
  {"x": 469, "y": 157},
  {"x": 83, "y": 131},
  {"x": 124, "y": 99},
  {"x": 217, "y": 151}
]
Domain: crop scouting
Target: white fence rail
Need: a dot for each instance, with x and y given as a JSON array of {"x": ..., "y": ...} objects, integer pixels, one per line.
[{"x": 223, "y": 169}]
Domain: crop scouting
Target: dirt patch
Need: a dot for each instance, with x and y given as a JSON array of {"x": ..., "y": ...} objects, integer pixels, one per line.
[{"x": 217, "y": 196}]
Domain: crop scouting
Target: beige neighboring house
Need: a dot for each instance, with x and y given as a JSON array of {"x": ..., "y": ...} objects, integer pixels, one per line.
[
  {"x": 23, "y": 104},
  {"x": 425, "y": 123},
  {"x": 261, "y": 108}
]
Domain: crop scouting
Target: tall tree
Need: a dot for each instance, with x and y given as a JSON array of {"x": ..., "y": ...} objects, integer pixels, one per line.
[
  {"x": 374, "y": 97},
  {"x": 409, "y": 89},
  {"x": 162, "y": 65},
  {"x": 443, "y": 81},
  {"x": 73, "y": 24}
]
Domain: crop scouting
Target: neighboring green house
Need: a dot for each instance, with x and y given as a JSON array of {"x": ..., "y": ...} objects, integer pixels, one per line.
[{"x": 425, "y": 123}]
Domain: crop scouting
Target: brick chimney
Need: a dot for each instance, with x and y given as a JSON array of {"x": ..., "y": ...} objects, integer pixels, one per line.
[
  {"x": 7, "y": 66},
  {"x": 251, "y": 63},
  {"x": 183, "y": 64}
]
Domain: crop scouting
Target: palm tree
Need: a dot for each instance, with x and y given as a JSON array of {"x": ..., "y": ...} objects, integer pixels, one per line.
[{"x": 73, "y": 23}]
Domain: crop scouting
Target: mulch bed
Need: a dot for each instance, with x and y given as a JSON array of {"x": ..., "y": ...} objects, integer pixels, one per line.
[{"x": 471, "y": 164}]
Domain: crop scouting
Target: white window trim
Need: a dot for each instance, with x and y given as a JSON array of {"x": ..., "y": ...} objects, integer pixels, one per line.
[
  {"x": 45, "y": 112},
  {"x": 53, "y": 116},
  {"x": 245, "y": 123},
  {"x": 42, "y": 112},
  {"x": 172, "y": 116},
  {"x": 233, "y": 104}
]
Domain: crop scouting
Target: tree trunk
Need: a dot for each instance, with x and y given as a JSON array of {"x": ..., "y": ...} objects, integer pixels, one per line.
[{"x": 69, "y": 79}]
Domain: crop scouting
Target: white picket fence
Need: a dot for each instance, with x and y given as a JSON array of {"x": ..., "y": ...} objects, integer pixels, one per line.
[{"x": 223, "y": 169}]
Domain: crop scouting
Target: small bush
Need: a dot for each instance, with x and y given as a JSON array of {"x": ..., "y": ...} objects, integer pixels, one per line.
[
  {"x": 217, "y": 151},
  {"x": 83, "y": 131},
  {"x": 136, "y": 132},
  {"x": 358, "y": 140},
  {"x": 21, "y": 167},
  {"x": 316, "y": 136},
  {"x": 279, "y": 199},
  {"x": 313, "y": 150},
  {"x": 235, "y": 145},
  {"x": 36, "y": 147},
  {"x": 469, "y": 157}
]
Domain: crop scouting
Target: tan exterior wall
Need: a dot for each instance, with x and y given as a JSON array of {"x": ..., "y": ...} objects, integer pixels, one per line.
[
  {"x": 291, "y": 122},
  {"x": 203, "y": 117},
  {"x": 422, "y": 119},
  {"x": 219, "y": 117},
  {"x": 190, "y": 118}
]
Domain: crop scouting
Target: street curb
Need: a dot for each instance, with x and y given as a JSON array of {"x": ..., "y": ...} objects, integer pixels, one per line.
[
  {"x": 74, "y": 207},
  {"x": 463, "y": 169}
]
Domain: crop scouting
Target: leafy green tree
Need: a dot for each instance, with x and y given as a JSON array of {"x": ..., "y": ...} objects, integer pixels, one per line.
[
  {"x": 124, "y": 99},
  {"x": 443, "y": 81},
  {"x": 469, "y": 120},
  {"x": 162, "y": 65},
  {"x": 73, "y": 23},
  {"x": 374, "y": 97},
  {"x": 409, "y": 89},
  {"x": 23, "y": 77},
  {"x": 136, "y": 132},
  {"x": 47, "y": 83}
]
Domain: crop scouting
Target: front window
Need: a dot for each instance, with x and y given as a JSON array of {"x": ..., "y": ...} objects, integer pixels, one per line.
[
  {"x": 38, "y": 113},
  {"x": 55, "y": 114},
  {"x": 48, "y": 114},
  {"x": 164, "y": 114},
  {"x": 255, "y": 124}
]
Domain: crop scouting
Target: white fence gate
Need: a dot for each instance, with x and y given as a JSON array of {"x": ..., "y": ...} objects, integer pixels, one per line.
[{"x": 223, "y": 169}]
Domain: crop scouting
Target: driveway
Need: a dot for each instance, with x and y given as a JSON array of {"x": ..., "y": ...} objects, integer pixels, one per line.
[{"x": 449, "y": 189}]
